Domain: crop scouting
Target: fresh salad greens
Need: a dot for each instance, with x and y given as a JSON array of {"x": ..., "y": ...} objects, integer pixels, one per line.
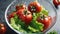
[
  {"x": 34, "y": 26},
  {"x": 16, "y": 26}
]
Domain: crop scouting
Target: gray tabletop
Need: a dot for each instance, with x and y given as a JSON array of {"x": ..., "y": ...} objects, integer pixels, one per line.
[
  {"x": 5, "y": 3},
  {"x": 3, "y": 6}
]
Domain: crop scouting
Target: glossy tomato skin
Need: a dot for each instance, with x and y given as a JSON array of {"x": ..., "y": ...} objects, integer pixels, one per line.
[
  {"x": 21, "y": 14},
  {"x": 2, "y": 28},
  {"x": 18, "y": 7},
  {"x": 56, "y": 2},
  {"x": 11, "y": 15},
  {"x": 34, "y": 7},
  {"x": 46, "y": 21},
  {"x": 22, "y": 6},
  {"x": 26, "y": 17}
]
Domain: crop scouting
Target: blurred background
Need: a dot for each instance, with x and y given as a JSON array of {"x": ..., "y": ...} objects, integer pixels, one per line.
[{"x": 3, "y": 6}]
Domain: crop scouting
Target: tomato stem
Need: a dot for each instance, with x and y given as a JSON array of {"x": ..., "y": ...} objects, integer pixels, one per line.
[
  {"x": 33, "y": 8},
  {"x": 25, "y": 12},
  {"x": 42, "y": 17},
  {"x": 21, "y": 5},
  {"x": 58, "y": 0}
]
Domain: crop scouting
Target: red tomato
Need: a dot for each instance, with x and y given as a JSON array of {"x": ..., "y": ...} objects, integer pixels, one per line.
[
  {"x": 25, "y": 15},
  {"x": 2, "y": 28},
  {"x": 56, "y": 2},
  {"x": 11, "y": 15},
  {"x": 46, "y": 21},
  {"x": 20, "y": 7},
  {"x": 34, "y": 7}
]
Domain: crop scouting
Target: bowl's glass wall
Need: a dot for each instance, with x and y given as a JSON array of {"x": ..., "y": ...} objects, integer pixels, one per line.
[{"x": 44, "y": 3}]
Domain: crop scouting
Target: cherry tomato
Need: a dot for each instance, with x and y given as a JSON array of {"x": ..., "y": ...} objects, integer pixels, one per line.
[
  {"x": 11, "y": 15},
  {"x": 56, "y": 2},
  {"x": 45, "y": 20},
  {"x": 34, "y": 7},
  {"x": 2, "y": 28},
  {"x": 25, "y": 15},
  {"x": 22, "y": 6}
]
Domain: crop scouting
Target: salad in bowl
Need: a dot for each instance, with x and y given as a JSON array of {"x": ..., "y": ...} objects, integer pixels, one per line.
[{"x": 32, "y": 17}]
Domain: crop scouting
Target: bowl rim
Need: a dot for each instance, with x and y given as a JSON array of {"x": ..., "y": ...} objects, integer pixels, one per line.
[
  {"x": 21, "y": 32},
  {"x": 6, "y": 17},
  {"x": 54, "y": 16}
]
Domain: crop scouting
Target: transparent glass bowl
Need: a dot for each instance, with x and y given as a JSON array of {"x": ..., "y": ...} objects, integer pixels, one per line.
[{"x": 48, "y": 6}]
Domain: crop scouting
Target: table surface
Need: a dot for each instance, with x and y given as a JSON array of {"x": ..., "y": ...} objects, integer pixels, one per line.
[{"x": 5, "y": 3}]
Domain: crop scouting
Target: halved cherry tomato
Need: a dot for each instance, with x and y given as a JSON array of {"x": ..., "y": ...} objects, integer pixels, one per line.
[
  {"x": 21, "y": 6},
  {"x": 34, "y": 7},
  {"x": 56, "y": 2},
  {"x": 25, "y": 15},
  {"x": 2, "y": 28},
  {"x": 45, "y": 20},
  {"x": 11, "y": 15}
]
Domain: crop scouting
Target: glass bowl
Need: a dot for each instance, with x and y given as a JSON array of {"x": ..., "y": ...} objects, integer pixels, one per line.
[{"x": 48, "y": 6}]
